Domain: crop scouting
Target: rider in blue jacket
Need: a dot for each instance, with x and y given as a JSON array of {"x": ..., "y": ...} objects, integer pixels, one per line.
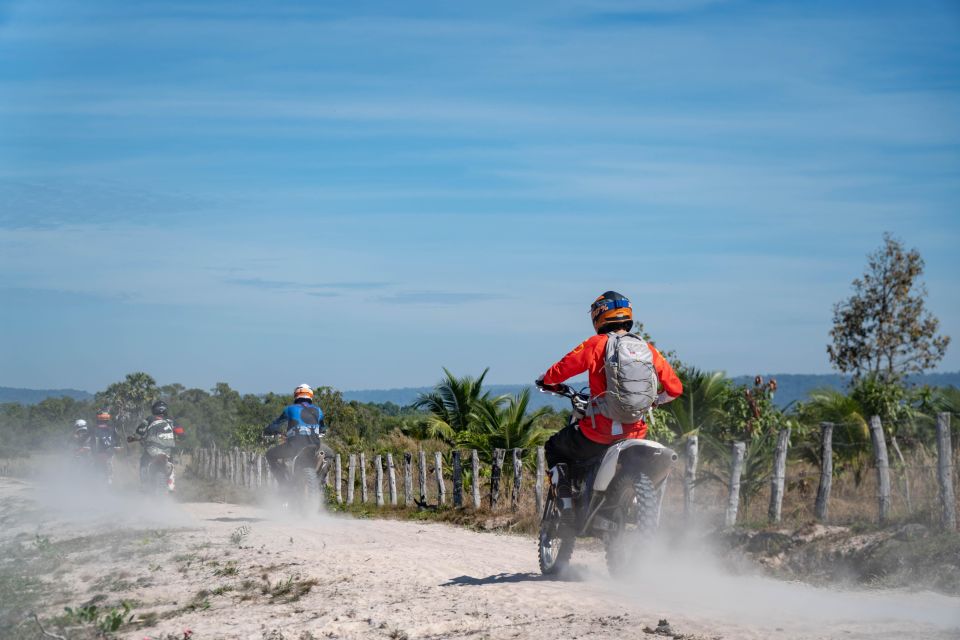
[{"x": 302, "y": 424}]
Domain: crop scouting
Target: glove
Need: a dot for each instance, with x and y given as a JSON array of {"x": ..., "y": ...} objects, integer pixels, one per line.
[{"x": 547, "y": 387}]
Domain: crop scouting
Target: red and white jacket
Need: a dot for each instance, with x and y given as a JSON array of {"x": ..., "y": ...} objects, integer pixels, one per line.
[{"x": 588, "y": 356}]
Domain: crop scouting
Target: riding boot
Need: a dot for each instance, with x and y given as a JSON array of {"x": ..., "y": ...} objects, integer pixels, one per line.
[{"x": 561, "y": 480}]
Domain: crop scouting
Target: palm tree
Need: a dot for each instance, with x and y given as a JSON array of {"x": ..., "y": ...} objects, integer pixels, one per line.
[
  {"x": 702, "y": 404},
  {"x": 451, "y": 405},
  {"x": 851, "y": 433},
  {"x": 499, "y": 425}
]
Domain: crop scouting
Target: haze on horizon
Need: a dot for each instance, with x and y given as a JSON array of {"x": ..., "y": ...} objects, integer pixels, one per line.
[{"x": 358, "y": 195}]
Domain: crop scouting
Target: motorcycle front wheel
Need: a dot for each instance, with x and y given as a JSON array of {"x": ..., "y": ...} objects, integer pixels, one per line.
[{"x": 554, "y": 545}]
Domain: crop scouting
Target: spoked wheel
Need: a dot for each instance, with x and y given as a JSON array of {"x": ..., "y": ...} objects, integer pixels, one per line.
[
  {"x": 555, "y": 545},
  {"x": 635, "y": 515}
]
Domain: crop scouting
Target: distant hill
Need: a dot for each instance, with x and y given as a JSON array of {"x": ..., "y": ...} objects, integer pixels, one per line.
[
  {"x": 33, "y": 396},
  {"x": 790, "y": 388}
]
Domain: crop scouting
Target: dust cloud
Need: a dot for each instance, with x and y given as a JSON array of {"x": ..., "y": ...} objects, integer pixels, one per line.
[
  {"x": 691, "y": 578},
  {"x": 67, "y": 489}
]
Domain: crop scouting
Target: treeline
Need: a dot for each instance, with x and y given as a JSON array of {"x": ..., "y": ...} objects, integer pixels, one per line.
[
  {"x": 223, "y": 417},
  {"x": 220, "y": 416}
]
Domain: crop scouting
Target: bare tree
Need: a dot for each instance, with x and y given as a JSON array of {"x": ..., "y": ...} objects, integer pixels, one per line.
[{"x": 883, "y": 330}]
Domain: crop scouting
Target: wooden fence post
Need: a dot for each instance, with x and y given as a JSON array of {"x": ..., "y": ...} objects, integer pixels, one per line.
[
  {"x": 538, "y": 483},
  {"x": 822, "y": 506},
  {"x": 392, "y": 480},
  {"x": 457, "y": 479},
  {"x": 904, "y": 476},
  {"x": 338, "y": 477},
  {"x": 423, "y": 477},
  {"x": 779, "y": 474},
  {"x": 517, "y": 478},
  {"x": 407, "y": 478},
  {"x": 364, "y": 497},
  {"x": 378, "y": 468},
  {"x": 948, "y": 516},
  {"x": 351, "y": 477},
  {"x": 495, "y": 474},
  {"x": 438, "y": 470},
  {"x": 883, "y": 468},
  {"x": 736, "y": 468},
  {"x": 475, "y": 482},
  {"x": 690, "y": 476}
]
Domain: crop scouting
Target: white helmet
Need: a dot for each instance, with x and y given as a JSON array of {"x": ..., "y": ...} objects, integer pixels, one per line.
[
  {"x": 80, "y": 424},
  {"x": 303, "y": 391}
]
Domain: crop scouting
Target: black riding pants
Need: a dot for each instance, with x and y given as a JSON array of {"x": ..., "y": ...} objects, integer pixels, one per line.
[
  {"x": 570, "y": 446},
  {"x": 288, "y": 450}
]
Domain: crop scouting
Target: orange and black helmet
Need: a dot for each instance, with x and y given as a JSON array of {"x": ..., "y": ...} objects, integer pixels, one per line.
[
  {"x": 610, "y": 308},
  {"x": 103, "y": 416}
]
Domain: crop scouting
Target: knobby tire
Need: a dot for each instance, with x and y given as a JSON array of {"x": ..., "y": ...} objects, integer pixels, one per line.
[{"x": 636, "y": 507}]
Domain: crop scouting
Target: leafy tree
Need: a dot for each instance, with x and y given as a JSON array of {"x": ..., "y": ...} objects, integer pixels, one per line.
[
  {"x": 130, "y": 399},
  {"x": 751, "y": 417},
  {"x": 883, "y": 329}
]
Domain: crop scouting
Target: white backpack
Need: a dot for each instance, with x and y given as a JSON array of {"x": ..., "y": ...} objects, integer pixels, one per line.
[{"x": 632, "y": 383}]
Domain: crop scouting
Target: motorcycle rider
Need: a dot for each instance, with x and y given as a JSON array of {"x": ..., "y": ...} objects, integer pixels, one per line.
[
  {"x": 589, "y": 437},
  {"x": 302, "y": 423},
  {"x": 81, "y": 434},
  {"x": 103, "y": 443},
  {"x": 157, "y": 437}
]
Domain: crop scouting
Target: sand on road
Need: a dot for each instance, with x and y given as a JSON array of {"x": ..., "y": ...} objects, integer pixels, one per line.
[{"x": 231, "y": 571}]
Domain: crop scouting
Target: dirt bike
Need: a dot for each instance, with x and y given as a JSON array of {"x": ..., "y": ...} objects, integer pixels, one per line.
[
  {"x": 305, "y": 471},
  {"x": 158, "y": 477},
  {"x": 96, "y": 454},
  {"x": 616, "y": 498}
]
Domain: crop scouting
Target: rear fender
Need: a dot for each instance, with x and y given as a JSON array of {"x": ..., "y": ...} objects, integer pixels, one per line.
[
  {"x": 652, "y": 458},
  {"x": 306, "y": 457}
]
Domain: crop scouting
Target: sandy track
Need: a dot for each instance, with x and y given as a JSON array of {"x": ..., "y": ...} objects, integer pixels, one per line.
[{"x": 389, "y": 579}]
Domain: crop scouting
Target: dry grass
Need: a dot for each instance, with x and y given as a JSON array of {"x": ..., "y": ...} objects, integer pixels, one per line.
[{"x": 850, "y": 503}]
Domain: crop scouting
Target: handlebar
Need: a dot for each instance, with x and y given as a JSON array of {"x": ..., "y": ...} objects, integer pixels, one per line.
[{"x": 579, "y": 399}]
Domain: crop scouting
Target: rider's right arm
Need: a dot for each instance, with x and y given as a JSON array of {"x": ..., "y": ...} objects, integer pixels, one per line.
[
  {"x": 142, "y": 427},
  {"x": 670, "y": 382},
  {"x": 574, "y": 363}
]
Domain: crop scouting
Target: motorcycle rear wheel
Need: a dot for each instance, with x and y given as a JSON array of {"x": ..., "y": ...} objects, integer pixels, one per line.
[
  {"x": 554, "y": 547},
  {"x": 307, "y": 481},
  {"x": 635, "y": 500}
]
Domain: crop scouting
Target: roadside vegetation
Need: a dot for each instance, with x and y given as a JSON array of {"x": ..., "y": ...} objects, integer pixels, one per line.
[{"x": 881, "y": 334}]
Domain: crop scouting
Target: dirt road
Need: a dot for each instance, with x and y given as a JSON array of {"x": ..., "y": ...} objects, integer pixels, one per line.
[{"x": 228, "y": 571}]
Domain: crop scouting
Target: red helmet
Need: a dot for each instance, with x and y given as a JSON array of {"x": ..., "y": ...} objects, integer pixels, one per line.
[
  {"x": 103, "y": 416},
  {"x": 610, "y": 308}
]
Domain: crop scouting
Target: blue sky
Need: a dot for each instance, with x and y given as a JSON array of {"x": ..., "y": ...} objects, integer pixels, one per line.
[{"x": 357, "y": 194}]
